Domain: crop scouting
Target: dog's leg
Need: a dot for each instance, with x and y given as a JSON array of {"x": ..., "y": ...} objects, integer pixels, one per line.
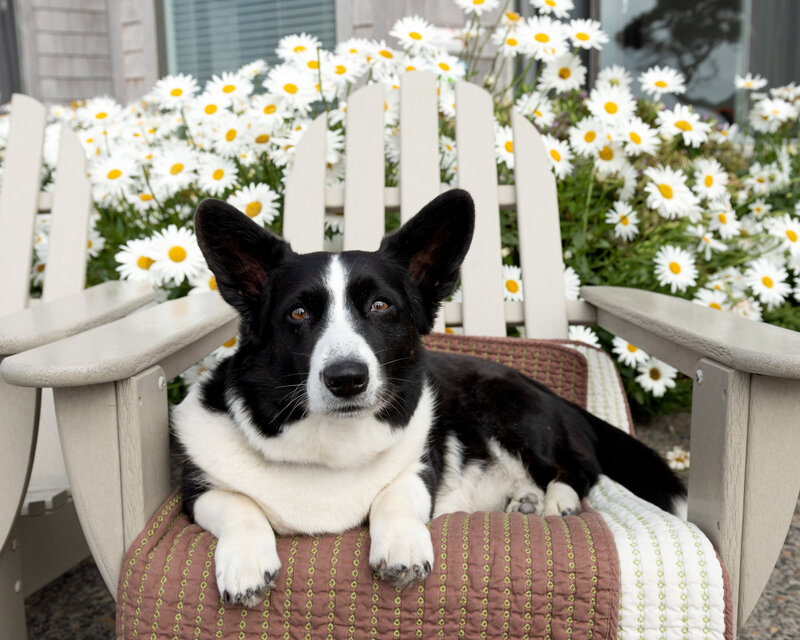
[
  {"x": 246, "y": 557},
  {"x": 560, "y": 499},
  {"x": 401, "y": 551}
]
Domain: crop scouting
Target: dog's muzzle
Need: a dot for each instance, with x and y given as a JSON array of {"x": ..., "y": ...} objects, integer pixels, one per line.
[{"x": 346, "y": 378}]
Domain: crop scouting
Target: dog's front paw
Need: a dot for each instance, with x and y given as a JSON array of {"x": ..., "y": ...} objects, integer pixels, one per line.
[
  {"x": 528, "y": 499},
  {"x": 247, "y": 566},
  {"x": 561, "y": 500},
  {"x": 403, "y": 554}
]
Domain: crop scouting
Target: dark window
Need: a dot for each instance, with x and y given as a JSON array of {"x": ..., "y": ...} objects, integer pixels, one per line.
[{"x": 10, "y": 80}]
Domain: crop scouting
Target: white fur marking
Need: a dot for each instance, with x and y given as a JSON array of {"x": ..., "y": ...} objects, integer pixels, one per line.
[{"x": 560, "y": 499}]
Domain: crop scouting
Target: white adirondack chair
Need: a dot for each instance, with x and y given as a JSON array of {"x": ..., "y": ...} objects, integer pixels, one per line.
[
  {"x": 46, "y": 540},
  {"x": 110, "y": 390}
]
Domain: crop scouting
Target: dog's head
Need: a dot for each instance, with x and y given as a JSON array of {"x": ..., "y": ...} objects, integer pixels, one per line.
[{"x": 339, "y": 333}]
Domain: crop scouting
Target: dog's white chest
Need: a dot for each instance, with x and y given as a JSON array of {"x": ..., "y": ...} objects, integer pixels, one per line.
[{"x": 313, "y": 479}]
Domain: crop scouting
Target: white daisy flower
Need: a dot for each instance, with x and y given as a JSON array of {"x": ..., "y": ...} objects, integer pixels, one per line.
[
  {"x": 559, "y": 8},
  {"x": 612, "y": 105},
  {"x": 627, "y": 353},
  {"x": 544, "y": 37},
  {"x": 537, "y": 107},
  {"x": 656, "y": 376},
  {"x": 37, "y": 273},
  {"x": 614, "y": 76},
  {"x": 230, "y": 87},
  {"x": 572, "y": 284},
  {"x": 173, "y": 92},
  {"x": 586, "y": 34},
  {"x": 205, "y": 109},
  {"x": 678, "y": 458},
  {"x": 684, "y": 122},
  {"x": 204, "y": 281},
  {"x": 229, "y": 135},
  {"x": 176, "y": 256},
  {"x": 563, "y": 74},
  {"x": 769, "y": 114},
  {"x": 580, "y": 333},
  {"x": 559, "y": 154},
  {"x": 750, "y": 82},
  {"x": 226, "y": 349},
  {"x": 630, "y": 178},
  {"x": 175, "y": 166},
  {"x": 198, "y": 371},
  {"x": 135, "y": 259},
  {"x": 344, "y": 70},
  {"x": 216, "y": 174},
  {"x": 359, "y": 49},
  {"x": 447, "y": 67},
  {"x": 478, "y": 7},
  {"x": 707, "y": 242},
  {"x": 667, "y": 192},
  {"x": 768, "y": 282},
  {"x": 712, "y": 298},
  {"x": 748, "y": 308},
  {"x": 675, "y": 267},
  {"x": 625, "y": 220},
  {"x": 759, "y": 207},
  {"x": 415, "y": 34},
  {"x": 787, "y": 230},
  {"x": 113, "y": 175},
  {"x": 723, "y": 220},
  {"x": 639, "y": 137},
  {"x": 258, "y": 201},
  {"x": 504, "y": 145},
  {"x": 609, "y": 159},
  {"x": 511, "y": 20},
  {"x": 99, "y": 111},
  {"x": 296, "y": 90},
  {"x": 657, "y": 81},
  {"x": 95, "y": 243},
  {"x": 587, "y": 137},
  {"x": 252, "y": 69},
  {"x": 297, "y": 46},
  {"x": 509, "y": 43},
  {"x": 710, "y": 179},
  {"x": 512, "y": 283},
  {"x": 269, "y": 107}
]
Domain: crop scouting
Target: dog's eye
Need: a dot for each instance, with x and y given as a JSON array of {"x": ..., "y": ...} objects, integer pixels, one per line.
[
  {"x": 299, "y": 314},
  {"x": 379, "y": 305}
]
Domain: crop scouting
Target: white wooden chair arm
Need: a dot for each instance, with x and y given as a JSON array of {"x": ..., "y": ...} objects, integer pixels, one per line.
[
  {"x": 174, "y": 334},
  {"x": 681, "y": 333},
  {"x": 62, "y": 317}
]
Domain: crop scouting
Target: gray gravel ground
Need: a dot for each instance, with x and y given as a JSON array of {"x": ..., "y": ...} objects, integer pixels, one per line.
[{"x": 77, "y": 605}]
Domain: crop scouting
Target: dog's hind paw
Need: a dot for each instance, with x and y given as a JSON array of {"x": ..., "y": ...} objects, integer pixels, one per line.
[
  {"x": 527, "y": 500},
  {"x": 561, "y": 500}
]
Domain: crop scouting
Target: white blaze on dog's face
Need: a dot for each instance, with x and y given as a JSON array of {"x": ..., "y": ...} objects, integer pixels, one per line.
[{"x": 344, "y": 375}]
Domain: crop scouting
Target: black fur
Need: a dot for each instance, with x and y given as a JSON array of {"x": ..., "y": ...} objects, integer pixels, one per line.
[{"x": 413, "y": 271}]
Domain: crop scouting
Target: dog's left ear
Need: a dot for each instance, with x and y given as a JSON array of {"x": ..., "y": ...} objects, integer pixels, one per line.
[
  {"x": 239, "y": 252},
  {"x": 432, "y": 245}
]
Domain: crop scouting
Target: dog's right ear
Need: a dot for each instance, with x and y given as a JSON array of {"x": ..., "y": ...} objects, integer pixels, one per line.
[{"x": 240, "y": 253}]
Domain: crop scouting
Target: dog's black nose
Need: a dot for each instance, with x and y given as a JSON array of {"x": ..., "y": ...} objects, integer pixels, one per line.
[{"x": 346, "y": 378}]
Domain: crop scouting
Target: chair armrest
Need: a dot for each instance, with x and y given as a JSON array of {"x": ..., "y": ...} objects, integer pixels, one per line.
[
  {"x": 62, "y": 317},
  {"x": 174, "y": 334},
  {"x": 681, "y": 332}
]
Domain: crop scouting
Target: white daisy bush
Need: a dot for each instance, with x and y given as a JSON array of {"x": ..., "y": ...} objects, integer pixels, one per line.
[{"x": 652, "y": 196}]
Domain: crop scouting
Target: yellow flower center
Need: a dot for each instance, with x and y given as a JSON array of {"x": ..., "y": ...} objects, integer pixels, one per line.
[
  {"x": 661, "y": 84},
  {"x": 444, "y": 66},
  {"x": 340, "y": 69},
  {"x": 299, "y": 48},
  {"x": 722, "y": 218},
  {"x": 176, "y": 92},
  {"x": 589, "y": 136},
  {"x": 386, "y": 54},
  {"x": 655, "y": 374},
  {"x": 145, "y": 197},
  {"x": 313, "y": 64},
  {"x": 606, "y": 153},
  {"x": 176, "y": 168},
  {"x": 230, "y": 342},
  {"x": 39, "y": 268},
  {"x": 767, "y": 281},
  {"x": 229, "y": 88},
  {"x": 564, "y": 73},
  {"x": 177, "y": 254},
  {"x": 477, "y": 2},
  {"x": 666, "y": 191},
  {"x": 101, "y": 115},
  {"x": 218, "y": 174},
  {"x": 263, "y": 138},
  {"x": 512, "y": 42},
  {"x": 113, "y": 174},
  {"x": 716, "y": 305},
  {"x": 791, "y": 234},
  {"x": 555, "y": 155},
  {"x": 414, "y": 35},
  {"x": 675, "y": 267},
  {"x": 512, "y": 16},
  {"x": 89, "y": 244},
  {"x": 212, "y": 283},
  {"x": 632, "y": 349},
  {"x": 253, "y": 208},
  {"x": 512, "y": 286},
  {"x": 709, "y": 180},
  {"x": 509, "y": 146},
  {"x": 542, "y": 37},
  {"x": 290, "y": 88},
  {"x": 624, "y": 221},
  {"x": 210, "y": 109},
  {"x": 683, "y": 125},
  {"x": 582, "y": 36},
  {"x": 230, "y": 135},
  {"x": 537, "y": 113},
  {"x": 144, "y": 263},
  {"x": 611, "y": 107},
  {"x": 635, "y": 137}
]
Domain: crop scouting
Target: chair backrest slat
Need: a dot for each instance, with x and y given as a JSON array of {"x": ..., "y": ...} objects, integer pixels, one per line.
[
  {"x": 539, "y": 234},
  {"x": 19, "y": 196},
  {"x": 304, "y": 201},
  {"x": 419, "y": 142},
  {"x": 69, "y": 227},
  {"x": 364, "y": 212},
  {"x": 481, "y": 273}
]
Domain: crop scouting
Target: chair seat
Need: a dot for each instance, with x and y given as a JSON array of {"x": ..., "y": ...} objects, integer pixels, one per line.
[{"x": 620, "y": 569}]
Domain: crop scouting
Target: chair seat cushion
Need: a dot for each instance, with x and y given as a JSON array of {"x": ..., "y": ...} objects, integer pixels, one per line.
[{"x": 620, "y": 569}]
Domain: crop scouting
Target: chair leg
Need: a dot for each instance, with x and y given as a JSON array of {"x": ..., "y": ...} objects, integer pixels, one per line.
[{"x": 12, "y": 602}]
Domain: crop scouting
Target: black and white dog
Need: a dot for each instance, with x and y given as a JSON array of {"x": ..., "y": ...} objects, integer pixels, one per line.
[{"x": 331, "y": 413}]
